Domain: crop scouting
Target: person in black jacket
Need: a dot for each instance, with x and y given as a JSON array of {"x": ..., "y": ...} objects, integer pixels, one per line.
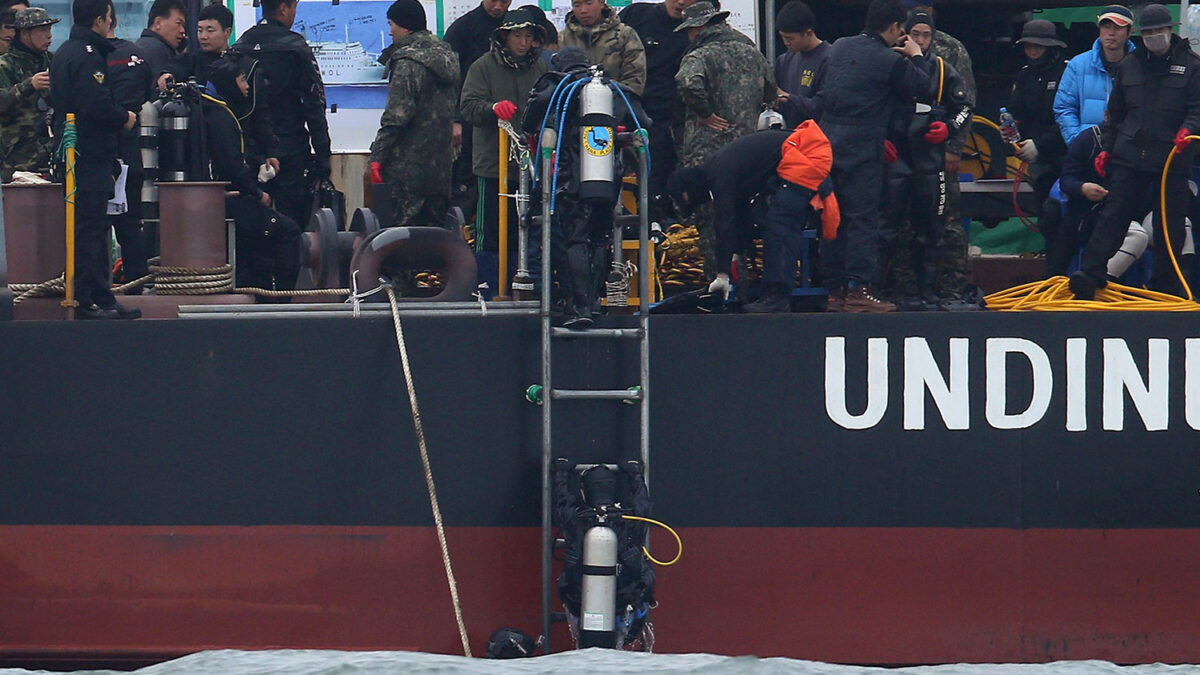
[
  {"x": 914, "y": 204},
  {"x": 266, "y": 241},
  {"x": 79, "y": 85},
  {"x": 470, "y": 36},
  {"x": 1032, "y": 106},
  {"x": 867, "y": 76},
  {"x": 294, "y": 87},
  {"x": 731, "y": 178},
  {"x": 130, "y": 79},
  {"x": 1085, "y": 191},
  {"x": 166, "y": 31},
  {"x": 213, "y": 28},
  {"x": 655, "y": 24},
  {"x": 1153, "y": 108}
]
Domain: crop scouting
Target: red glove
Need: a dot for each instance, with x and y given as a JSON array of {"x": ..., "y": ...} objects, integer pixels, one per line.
[
  {"x": 1181, "y": 140},
  {"x": 505, "y": 110},
  {"x": 937, "y": 133},
  {"x": 889, "y": 152},
  {"x": 376, "y": 173},
  {"x": 1101, "y": 164}
]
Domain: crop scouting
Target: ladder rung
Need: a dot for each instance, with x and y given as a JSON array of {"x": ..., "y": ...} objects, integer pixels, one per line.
[
  {"x": 626, "y": 220},
  {"x": 596, "y": 333},
  {"x": 630, "y": 394}
]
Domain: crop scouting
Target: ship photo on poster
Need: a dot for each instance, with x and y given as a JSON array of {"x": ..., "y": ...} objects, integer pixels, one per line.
[{"x": 346, "y": 38}]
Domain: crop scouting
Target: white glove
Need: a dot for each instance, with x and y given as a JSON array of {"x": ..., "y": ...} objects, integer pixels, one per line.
[
  {"x": 1027, "y": 150},
  {"x": 720, "y": 285},
  {"x": 265, "y": 173}
]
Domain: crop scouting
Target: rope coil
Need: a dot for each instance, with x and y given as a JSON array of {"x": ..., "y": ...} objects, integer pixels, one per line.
[{"x": 192, "y": 280}]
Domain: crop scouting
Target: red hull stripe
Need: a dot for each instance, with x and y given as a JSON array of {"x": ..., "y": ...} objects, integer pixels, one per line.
[{"x": 860, "y": 595}]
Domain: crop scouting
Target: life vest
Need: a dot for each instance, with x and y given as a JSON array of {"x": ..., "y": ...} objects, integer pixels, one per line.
[{"x": 806, "y": 158}]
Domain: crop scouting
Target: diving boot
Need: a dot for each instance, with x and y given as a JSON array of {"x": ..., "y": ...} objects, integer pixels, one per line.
[
  {"x": 776, "y": 299},
  {"x": 579, "y": 313}
]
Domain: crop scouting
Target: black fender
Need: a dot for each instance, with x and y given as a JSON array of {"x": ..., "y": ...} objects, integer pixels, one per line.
[{"x": 396, "y": 249}]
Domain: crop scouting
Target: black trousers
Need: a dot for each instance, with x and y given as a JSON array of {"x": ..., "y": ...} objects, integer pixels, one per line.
[
  {"x": 1066, "y": 232},
  {"x": 268, "y": 254},
  {"x": 853, "y": 258},
  {"x": 662, "y": 155},
  {"x": 92, "y": 285},
  {"x": 291, "y": 190},
  {"x": 1131, "y": 194},
  {"x": 580, "y": 240}
]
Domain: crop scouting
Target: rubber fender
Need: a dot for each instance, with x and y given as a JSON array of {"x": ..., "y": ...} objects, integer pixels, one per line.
[{"x": 401, "y": 249}]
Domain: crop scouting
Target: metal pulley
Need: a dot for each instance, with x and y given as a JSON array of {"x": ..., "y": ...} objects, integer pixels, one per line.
[
  {"x": 327, "y": 251},
  {"x": 396, "y": 251}
]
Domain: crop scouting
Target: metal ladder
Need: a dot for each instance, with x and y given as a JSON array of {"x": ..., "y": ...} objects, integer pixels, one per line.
[{"x": 639, "y": 393}]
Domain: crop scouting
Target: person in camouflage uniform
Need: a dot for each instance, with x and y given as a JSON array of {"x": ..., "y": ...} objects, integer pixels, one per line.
[
  {"x": 413, "y": 149},
  {"x": 596, "y": 29},
  {"x": 724, "y": 82},
  {"x": 953, "y": 275},
  {"x": 24, "y": 95}
]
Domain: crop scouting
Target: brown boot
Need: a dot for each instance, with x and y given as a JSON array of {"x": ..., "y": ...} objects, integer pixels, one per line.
[
  {"x": 860, "y": 300},
  {"x": 836, "y": 302}
]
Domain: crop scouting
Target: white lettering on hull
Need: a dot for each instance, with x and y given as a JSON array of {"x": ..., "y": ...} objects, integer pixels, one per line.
[{"x": 1147, "y": 389}]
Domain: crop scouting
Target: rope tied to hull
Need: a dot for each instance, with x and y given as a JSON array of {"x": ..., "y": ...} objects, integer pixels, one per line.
[{"x": 433, "y": 499}]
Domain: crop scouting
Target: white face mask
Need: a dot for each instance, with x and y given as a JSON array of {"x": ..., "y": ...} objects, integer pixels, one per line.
[{"x": 1157, "y": 43}]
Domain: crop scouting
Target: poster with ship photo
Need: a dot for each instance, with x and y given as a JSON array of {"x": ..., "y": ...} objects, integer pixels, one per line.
[{"x": 346, "y": 38}]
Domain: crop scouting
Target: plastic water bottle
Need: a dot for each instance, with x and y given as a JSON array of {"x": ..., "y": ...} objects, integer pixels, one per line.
[
  {"x": 1191, "y": 25},
  {"x": 1008, "y": 127}
]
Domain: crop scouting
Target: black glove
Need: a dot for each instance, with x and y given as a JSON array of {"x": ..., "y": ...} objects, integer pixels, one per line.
[
  {"x": 563, "y": 464},
  {"x": 632, "y": 467}
]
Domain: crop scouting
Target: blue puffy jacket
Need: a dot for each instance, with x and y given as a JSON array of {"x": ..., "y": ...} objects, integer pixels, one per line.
[{"x": 1083, "y": 92}]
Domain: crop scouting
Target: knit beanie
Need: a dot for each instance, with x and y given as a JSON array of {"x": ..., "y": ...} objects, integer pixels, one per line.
[
  {"x": 917, "y": 17},
  {"x": 407, "y": 14}
]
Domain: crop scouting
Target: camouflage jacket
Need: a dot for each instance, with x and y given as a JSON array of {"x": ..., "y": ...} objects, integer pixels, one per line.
[
  {"x": 949, "y": 48},
  {"x": 723, "y": 73},
  {"x": 24, "y": 141},
  {"x": 414, "y": 143},
  {"x": 611, "y": 45}
]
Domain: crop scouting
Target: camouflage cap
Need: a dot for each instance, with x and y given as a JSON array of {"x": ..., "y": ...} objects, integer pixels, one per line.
[
  {"x": 701, "y": 14},
  {"x": 33, "y": 17}
]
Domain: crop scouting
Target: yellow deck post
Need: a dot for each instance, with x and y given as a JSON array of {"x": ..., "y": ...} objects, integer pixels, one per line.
[
  {"x": 69, "y": 274},
  {"x": 502, "y": 242}
]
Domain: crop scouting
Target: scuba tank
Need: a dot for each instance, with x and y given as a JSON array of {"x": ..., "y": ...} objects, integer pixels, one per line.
[
  {"x": 148, "y": 135},
  {"x": 597, "y": 142},
  {"x": 173, "y": 144},
  {"x": 182, "y": 150}
]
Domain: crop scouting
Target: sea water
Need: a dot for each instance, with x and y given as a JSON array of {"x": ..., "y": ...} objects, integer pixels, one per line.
[{"x": 608, "y": 662}]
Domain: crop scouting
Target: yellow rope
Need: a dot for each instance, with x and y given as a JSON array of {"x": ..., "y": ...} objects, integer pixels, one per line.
[
  {"x": 1166, "y": 238},
  {"x": 666, "y": 527},
  {"x": 1054, "y": 295}
]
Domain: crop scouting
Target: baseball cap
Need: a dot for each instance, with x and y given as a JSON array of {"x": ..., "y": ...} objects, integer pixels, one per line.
[{"x": 1118, "y": 14}]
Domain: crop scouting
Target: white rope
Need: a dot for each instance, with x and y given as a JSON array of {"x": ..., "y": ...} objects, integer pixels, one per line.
[{"x": 433, "y": 500}]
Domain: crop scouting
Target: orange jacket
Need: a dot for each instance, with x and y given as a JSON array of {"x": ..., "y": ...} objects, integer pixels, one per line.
[
  {"x": 806, "y": 160},
  {"x": 807, "y": 156}
]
